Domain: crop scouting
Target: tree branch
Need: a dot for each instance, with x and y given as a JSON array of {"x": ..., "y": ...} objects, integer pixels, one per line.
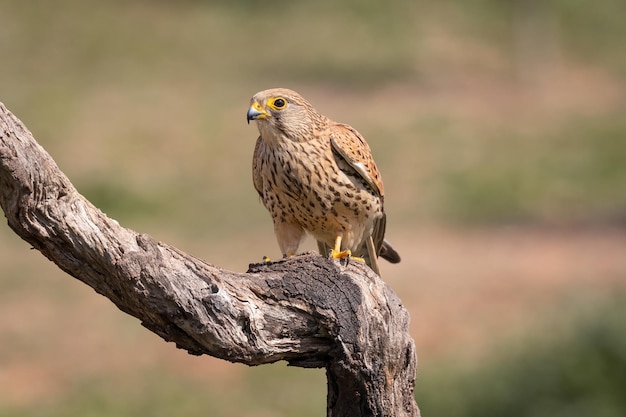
[{"x": 307, "y": 310}]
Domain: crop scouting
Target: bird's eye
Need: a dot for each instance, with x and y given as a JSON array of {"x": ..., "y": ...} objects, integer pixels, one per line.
[{"x": 279, "y": 103}]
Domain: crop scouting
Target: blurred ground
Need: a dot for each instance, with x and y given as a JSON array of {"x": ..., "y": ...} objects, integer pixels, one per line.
[
  {"x": 498, "y": 127},
  {"x": 468, "y": 292}
]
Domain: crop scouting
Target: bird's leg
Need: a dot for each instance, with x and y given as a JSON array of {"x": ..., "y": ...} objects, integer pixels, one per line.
[
  {"x": 289, "y": 236},
  {"x": 337, "y": 253}
]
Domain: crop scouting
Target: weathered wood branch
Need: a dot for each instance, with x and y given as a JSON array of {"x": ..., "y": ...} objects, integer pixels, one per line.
[{"x": 307, "y": 310}]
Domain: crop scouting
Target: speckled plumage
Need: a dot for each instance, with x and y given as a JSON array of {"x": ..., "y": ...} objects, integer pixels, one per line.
[{"x": 317, "y": 176}]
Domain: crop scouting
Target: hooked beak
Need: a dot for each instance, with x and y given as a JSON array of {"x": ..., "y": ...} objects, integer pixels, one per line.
[{"x": 256, "y": 112}]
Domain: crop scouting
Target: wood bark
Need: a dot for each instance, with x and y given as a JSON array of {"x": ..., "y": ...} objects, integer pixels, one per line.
[{"x": 307, "y": 310}]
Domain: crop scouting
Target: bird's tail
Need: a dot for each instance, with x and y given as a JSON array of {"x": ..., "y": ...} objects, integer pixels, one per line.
[{"x": 388, "y": 253}]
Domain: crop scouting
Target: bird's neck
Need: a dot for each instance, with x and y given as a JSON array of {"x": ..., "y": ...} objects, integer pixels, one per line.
[
  {"x": 301, "y": 132},
  {"x": 268, "y": 133}
]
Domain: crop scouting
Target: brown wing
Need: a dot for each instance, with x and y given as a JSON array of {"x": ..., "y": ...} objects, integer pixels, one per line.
[
  {"x": 351, "y": 146},
  {"x": 257, "y": 167}
]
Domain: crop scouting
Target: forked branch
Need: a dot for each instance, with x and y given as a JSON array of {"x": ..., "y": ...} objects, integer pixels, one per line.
[{"x": 307, "y": 310}]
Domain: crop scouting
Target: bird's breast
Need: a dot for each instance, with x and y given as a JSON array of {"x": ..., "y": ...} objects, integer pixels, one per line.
[{"x": 302, "y": 183}]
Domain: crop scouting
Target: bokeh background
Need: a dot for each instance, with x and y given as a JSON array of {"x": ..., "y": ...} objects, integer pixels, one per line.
[{"x": 500, "y": 130}]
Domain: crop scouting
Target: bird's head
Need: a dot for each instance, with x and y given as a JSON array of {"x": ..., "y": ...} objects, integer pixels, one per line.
[{"x": 281, "y": 113}]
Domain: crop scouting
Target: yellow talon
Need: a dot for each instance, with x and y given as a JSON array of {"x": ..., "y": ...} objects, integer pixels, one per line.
[
  {"x": 337, "y": 253},
  {"x": 266, "y": 259}
]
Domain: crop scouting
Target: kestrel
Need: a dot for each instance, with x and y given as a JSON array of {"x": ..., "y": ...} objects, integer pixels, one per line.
[{"x": 317, "y": 176}]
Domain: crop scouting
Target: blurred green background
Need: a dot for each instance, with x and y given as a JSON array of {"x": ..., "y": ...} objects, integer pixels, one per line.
[{"x": 500, "y": 130}]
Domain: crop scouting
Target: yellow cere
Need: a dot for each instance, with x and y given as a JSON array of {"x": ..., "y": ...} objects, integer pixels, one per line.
[{"x": 257, "y": 106}]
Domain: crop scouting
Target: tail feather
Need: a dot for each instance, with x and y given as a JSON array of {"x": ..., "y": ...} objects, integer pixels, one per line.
[
  {"x": 370, "y": 256},
  {"x": 388, "y": 253}
]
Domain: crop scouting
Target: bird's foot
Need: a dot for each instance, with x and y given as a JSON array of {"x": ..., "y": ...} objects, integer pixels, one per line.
[
  {"x": 266, "y": 259},
  {"x": 344, "y": 254},
  {"x": 337, "y": 253}
]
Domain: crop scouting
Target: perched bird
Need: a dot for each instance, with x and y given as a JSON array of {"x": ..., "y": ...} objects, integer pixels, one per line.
[{"x": 317, "y": 176}]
